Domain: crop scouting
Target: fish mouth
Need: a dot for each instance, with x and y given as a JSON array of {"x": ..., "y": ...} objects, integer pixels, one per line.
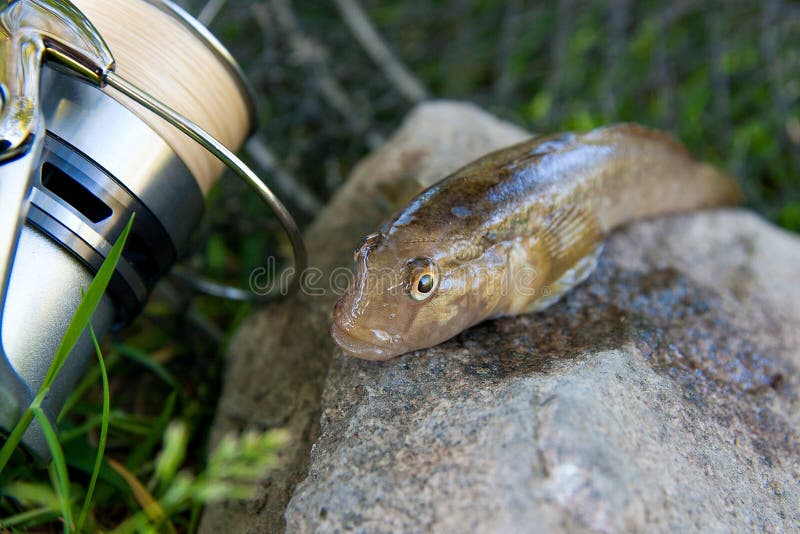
[{"x": 358, "y": 347}]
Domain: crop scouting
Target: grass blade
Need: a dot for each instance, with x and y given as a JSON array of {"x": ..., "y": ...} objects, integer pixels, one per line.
[
  {"x": 61, "y": 482},
  {"x": 30, "y": 494},
  {"x": 30, "y": 518},
  {"x": 101, "y": 446},
  {"x": 42, "y": 503},
  {"x": 155, "y": 513},
  {"x": 148, "y": 443},
  {"x": 91, "y": 298},
  {"x": 173, "y": 453},
  {"x": 145, "y": 360},
  {"x": 68, "y": 434}
]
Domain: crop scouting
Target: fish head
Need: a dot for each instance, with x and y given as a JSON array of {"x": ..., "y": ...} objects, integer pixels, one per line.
[{"x": 405, "y": 295}]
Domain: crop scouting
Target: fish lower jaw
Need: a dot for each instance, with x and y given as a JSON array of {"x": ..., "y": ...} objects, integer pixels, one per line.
[{"x": 360, "y": 348}]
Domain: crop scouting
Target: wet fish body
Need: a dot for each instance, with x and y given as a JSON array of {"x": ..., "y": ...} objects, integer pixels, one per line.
[{"x": 512, "y": 232}]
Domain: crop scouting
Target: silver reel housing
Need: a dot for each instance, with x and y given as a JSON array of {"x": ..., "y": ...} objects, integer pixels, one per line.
[{"x": 100, "y": 164}]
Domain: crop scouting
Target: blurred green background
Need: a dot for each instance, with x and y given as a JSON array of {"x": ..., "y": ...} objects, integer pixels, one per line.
[{"x": 721, "y": 75}]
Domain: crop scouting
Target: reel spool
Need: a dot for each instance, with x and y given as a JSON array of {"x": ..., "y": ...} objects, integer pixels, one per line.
[
  {"x": 106, "y": 154},
  {"x": 160, "y": 48}
]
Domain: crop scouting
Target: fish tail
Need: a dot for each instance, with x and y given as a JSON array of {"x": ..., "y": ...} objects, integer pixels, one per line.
[{"x": 656, "y": 175}]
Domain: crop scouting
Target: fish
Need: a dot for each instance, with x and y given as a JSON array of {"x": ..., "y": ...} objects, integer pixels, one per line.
[{"x": 511, "y": 233}]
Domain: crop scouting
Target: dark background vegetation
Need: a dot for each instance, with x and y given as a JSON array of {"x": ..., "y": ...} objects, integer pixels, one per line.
[{"x": 721, "y": 75}]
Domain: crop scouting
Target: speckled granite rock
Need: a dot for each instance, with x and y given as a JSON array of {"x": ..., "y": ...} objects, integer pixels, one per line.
[{"x": 660, "y": 394}]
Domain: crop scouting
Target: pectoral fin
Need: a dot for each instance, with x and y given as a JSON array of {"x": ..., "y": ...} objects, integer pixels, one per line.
[
  {"x": 580, "y": 271},
  {"x": 572, "y": 241}
]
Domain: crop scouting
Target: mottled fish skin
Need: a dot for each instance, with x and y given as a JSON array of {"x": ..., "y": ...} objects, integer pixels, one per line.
[{"x": 511, "y": 232}]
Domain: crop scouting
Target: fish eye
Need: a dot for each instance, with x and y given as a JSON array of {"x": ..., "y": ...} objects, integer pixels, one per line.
[
  {"x": 425, "y": 284},
  {"x": 423, "y": 278}
]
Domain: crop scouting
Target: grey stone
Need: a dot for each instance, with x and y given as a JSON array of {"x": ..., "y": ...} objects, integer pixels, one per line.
[{"x": 661, "y": 394}]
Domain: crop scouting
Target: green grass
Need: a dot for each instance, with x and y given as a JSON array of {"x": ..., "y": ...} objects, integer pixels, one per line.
[
  {"x": 57, "y": 468},
  {"x": 101, "y": 445}
]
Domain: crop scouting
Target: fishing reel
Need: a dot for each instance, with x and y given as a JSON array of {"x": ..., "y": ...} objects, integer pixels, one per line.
[{"x": 83, "y": 147}]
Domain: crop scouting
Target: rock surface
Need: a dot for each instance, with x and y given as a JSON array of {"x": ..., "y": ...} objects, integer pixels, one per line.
[{"x": 660, "y": 394}]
